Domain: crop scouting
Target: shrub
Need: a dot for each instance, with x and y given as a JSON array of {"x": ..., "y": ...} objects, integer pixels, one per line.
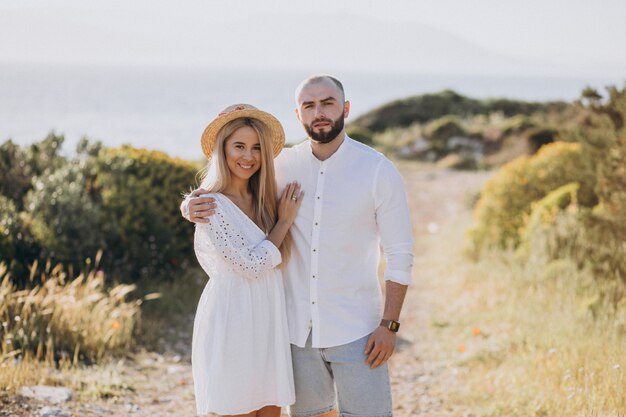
[
  {"x": 122, "y": 200},
  {"x": 510, "y": 107},
  {"x": 146, "y": 235},
  {"x": 64, "y": 220},
  {"x": 444, "y": 128},
  {"x": 576, "y": 235},
  {"x": 602, "y": 134},
  {"x": 506, "y": 199},
  {"x": 537, "y": 237},
  {"x": 516, "y": 124},
  {"x": 19, "y": 165},
  {"x": 538, "y": 137},
  {"x": 8, "y": 228},
  {"x": 360, "y": 134}
]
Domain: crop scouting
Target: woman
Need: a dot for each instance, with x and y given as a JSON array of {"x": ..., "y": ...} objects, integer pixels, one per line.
[{"x": 241, "y": 357}]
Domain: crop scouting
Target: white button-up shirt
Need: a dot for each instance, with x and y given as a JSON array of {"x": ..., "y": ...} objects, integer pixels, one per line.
[{"x": 354, "y": 202}]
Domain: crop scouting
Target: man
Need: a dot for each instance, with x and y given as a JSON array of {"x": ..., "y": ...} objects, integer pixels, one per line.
[{"x": 341, "y": 334}]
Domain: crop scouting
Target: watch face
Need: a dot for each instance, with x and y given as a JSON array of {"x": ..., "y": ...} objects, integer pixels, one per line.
[{"x": 394, "y": 326}]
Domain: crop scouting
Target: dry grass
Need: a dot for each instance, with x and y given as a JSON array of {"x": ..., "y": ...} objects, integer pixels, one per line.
[
  {"x": 532, "y": 340},
  {"x": 543, "y": 346},
  {"x": 61, "y": 323},
  {"x": 512, "y": 337}
]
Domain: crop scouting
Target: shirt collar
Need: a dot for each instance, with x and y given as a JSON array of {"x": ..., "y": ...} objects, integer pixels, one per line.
[{"x": 338, "y": 153}]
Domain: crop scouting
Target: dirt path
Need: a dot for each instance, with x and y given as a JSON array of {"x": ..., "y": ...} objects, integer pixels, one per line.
[{"x": 422, "y": 369}]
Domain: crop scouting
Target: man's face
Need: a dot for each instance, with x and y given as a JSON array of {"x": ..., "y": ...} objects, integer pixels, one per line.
[{"x": 321, "y": 111}]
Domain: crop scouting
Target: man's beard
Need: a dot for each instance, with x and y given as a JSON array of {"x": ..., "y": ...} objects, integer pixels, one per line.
[{"x": 325, "y": 137}]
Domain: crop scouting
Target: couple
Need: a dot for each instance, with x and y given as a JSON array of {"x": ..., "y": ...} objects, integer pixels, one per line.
[{"x": 293, "y": 313}]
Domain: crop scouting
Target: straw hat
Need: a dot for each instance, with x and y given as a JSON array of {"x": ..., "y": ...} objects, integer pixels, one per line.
[{"x": 237, "y": 111}]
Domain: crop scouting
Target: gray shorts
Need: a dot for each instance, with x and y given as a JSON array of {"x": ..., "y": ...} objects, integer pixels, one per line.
[{"x": 338, "y": 377}]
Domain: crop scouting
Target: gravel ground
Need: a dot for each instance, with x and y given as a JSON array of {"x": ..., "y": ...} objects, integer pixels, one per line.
[{"x": 423, "y": 368}]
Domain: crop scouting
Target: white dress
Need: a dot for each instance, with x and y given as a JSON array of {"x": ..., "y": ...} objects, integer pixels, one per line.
[{"x": 241, "y": 356}]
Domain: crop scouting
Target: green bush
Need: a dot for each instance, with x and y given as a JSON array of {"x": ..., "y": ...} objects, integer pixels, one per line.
[
  {"x": 575, "y": 234},
  {"x": 146, "y": 235},
  {"x": 121, "y": 200},
  {"x": 64, "y": 220},
  {"x": 537, "y": 236},
  {"x": 602, "y": 134},
  {"x": 516, "y": 124},
  {"x": 444, "y": 128},
  {"x": 19, "y": 165},
  {"x": 538, "y": 137},
  {"x": 506, "y": 199},
  {"x": 8, "y": 228},
  {"x": 360, "y": 134}
]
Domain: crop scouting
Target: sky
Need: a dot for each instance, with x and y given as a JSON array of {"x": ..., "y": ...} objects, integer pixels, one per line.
[{"x": 532, "y": 37}]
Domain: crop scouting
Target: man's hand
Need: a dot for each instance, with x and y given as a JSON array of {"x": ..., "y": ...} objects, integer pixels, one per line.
[
  {"x": 380, "y": 346},
  {"x": 200, "y": 208}
]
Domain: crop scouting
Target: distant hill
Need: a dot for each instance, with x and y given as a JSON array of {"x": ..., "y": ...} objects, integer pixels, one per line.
[
  {"x": 462, "y": 132},
  {"x": 427, "y": 107}
]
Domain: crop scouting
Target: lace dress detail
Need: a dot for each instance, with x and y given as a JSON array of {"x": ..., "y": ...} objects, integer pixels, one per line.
[{"x": 241, "y": 357}]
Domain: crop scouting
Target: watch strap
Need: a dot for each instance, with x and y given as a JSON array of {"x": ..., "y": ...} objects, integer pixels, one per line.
[{"x": 392, "y": 325}]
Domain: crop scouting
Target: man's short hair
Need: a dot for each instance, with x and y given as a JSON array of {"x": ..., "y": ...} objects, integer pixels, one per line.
[{"x": 314, "y": 79}]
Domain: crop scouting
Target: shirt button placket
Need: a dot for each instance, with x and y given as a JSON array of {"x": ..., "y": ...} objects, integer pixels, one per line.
[{"x": 317, "y": 211}]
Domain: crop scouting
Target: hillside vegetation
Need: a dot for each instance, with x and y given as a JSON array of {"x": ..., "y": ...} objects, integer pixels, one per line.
[{"x": 463, "y": 132}]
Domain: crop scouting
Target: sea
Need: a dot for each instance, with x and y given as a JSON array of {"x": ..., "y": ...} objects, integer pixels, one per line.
[{"x": 168, "y": 108}]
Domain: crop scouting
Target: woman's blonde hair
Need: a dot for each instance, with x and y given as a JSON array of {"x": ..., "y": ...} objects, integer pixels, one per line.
[{"x": 216, "y": 178}]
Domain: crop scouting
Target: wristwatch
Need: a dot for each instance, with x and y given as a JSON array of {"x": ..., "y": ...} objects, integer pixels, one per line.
[{"x": 392, "y": 325}]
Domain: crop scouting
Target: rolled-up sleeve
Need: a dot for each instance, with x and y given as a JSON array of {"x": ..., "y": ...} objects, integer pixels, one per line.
[{"x": 394, "y": 223}]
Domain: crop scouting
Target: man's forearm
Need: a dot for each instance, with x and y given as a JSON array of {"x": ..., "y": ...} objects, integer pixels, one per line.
[{"x": 394, "y": 298}]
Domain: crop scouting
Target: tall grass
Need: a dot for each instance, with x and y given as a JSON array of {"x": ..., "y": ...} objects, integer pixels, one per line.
[
  {"x": 543, "y": 341},
  {"x": 62, "y": 320}
]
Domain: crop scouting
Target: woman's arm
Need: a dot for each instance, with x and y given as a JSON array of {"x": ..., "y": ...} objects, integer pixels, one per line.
[{"x": 222, "y": 238}]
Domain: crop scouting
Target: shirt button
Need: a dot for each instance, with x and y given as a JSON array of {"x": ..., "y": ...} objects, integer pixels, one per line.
[
  {"x": 316, "y": 223},
  {"x": 312, "y": 302},
  {"x": 321, "y": 172},
  {"x": 314, "y": 250},
  {"x": 318, "y": 197},
  {"x": 313, "y": 276}
]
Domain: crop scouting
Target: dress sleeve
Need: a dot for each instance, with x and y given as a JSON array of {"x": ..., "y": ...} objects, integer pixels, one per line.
[{"x": 223, "y": 239}]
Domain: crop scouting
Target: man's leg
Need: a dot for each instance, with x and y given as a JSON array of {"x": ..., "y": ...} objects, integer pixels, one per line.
[
  {"x": 315, "y": 391},
  {"x": 361, "y": 390}
]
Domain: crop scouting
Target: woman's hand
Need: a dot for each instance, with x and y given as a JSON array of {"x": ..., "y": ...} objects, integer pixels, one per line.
[{"x": 289, "y": 203}]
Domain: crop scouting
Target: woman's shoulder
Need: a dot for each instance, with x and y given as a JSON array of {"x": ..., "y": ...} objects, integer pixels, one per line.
[{"x": 223, "y": 212}]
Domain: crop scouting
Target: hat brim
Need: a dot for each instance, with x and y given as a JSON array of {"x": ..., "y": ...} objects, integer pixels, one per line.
[{"x": 274, "y": 129}]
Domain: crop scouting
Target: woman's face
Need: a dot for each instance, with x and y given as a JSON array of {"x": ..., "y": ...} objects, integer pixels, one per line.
[{"x": 243, "y": 153}]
